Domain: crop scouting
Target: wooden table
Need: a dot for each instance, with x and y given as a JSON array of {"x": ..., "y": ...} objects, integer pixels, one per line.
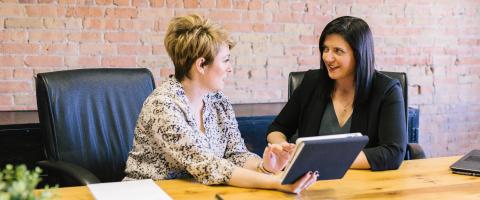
[{"x": 416, "y": 179}]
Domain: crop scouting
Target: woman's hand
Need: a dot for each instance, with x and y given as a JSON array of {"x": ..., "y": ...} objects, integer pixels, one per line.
[
  {"x": 276, "y": 156},
  {"x": 301, "y": 184}
]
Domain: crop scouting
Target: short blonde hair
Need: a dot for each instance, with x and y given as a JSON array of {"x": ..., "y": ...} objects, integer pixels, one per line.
[{"x": 191, "y": 37}]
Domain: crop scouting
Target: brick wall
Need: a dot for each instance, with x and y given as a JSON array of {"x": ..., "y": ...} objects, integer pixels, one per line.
[{"x": 436, "y": 42}]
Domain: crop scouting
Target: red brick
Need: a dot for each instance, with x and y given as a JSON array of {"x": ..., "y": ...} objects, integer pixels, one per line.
[
  {"x": 284, "y": 6},
  {"x": 161, "y": 25},
  {"x": 298, "y": 51},
  {"x": 191, "y": 3},
  {"x": 298, "y": 7},
  {"x": 131, "y": 37},
  {"x": 159, "y": 50},
  {"x": 5, "y": 101},
  {"x": 207, "y": 3},
  {"x": 255, "y": 5},
  {"x": 82, "y": 61},
  {"x": 119, "y": 61},
  {"x": 157, "y": 3},
  {"x": 238, "y": 27},
  {"x": 6, "y": 74},
  {"x": 95, "y": 49},
  {"x": 274, "y": 73},
  {"x": 41, "y": 11},
  {"x": 23, "y": 74},
  {"x": 88, "y": 12},
  {"x": 18, "y": 48},
  {"x": 268, "y": 28},
  {"x": 261, "y": 17},
  {"x": 282, "y": 61},
  {"x": 139, "y": 25},
  {"x": 240, "y": 4},
  {"x": 84, "y": 37},
  {"x": 474, "y": 60},
  {"x": 140, "y": 3},
  {"x": 309, "y": 39},
  {"x": 27, "y": 1},
  {"x": 287, "y": 17},
  {"x": 15, "y": 86},
  {"x": 13, "y": 36},
  {"x": 174, "y": 3},
  {"x": 155, "y": 13},
  {"x": 23, "y": 23},
  {"x": 9, "y": 61},
  {"x": 24, "y": 99},
  {"x": 101, "y": 24},
  {"x": 121, "y": 2},
  {"x": 103, "y": 2},
  {"x": 66, "y": 2},
  {"x": 54, "y": 23},
  {"x": 60, "y": 49},
  {"x": 271, "y": 6},
  {"x": 44, "y": 36},
  {"x": 224, "y": 3},
  {"x": 73, "y": 24},
  {"x": 134, "y": 50},
  {"x": 44, "y": 61},
  {"x": 167, "y": 71},
  {"x": 121, "y": 13},
  {"x": 11, "y": 10},
  {"x": 227, "y": 15},
  {"x": 309, "y": 61}
]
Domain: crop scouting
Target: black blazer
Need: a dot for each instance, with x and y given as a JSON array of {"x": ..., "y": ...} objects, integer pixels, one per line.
[{"x": 381, "y": 118}]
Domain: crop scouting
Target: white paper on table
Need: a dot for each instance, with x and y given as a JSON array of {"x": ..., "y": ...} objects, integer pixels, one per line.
[{"x": 127, "y": 190}]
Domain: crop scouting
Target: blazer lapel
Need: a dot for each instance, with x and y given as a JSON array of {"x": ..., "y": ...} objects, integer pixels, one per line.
[
  {"x": 313, "y": 114},
  {"x": 360, "y": 119}
]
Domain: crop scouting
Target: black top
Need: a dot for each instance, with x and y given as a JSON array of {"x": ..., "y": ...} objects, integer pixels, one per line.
[
  {"x": 381, "y": 118},
  {"x": 329, "y": 124}
]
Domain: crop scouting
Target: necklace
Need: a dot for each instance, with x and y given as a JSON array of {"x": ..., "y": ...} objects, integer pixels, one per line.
[{"x": 344, "y": 109}]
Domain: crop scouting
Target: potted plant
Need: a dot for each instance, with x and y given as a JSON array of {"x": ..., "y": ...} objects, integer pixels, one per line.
[{"x": 18, "y": 183}]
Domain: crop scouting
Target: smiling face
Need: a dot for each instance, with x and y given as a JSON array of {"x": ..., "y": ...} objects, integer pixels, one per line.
[
  {"x": 216, "y": 72},
  {"x": 338, "y": 58}
]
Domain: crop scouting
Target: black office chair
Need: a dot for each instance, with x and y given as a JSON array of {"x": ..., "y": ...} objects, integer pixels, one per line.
[
  {"x": 414, "y": 150},
  {"x": 87, "y": 117}
]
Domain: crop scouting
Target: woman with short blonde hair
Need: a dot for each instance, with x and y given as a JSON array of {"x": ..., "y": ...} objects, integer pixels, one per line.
[{"x": 187, "y": 127}]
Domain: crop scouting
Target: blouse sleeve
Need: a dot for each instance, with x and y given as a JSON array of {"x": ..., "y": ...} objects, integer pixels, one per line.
[
  {"x": 236, "y": 150},
  {"x": 392, "y": 130},
  {"x": 181, "y": 144}
]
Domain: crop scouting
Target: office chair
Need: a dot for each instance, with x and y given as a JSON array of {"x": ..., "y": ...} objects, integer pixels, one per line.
[
  {"x": 87, "y": 118},
  {"x": 414, "y": 150},
  {"x": 254, "y": 132}
]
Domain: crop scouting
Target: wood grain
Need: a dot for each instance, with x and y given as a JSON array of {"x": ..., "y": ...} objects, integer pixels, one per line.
[{"x": 416, "y": 179}]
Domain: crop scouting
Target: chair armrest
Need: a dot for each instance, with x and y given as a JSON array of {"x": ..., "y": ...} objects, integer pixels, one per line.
[
  {"x": 415, "y": 151},
  {"x": 79, "y": 174}
]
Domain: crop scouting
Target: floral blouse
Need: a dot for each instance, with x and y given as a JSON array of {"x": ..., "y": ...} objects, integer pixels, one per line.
[{"x": 168, "y": 143}]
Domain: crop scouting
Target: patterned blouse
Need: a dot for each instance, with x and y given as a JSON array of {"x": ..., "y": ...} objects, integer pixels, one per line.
[{"x": 168, "y": 143}]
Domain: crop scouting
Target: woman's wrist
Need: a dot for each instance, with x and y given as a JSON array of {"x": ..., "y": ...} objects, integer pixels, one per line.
[{"x": 262, "y": 169}]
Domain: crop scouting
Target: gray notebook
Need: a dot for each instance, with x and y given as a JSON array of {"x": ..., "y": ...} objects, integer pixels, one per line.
[
  {"x": 468, "y": 164},
  {"x": 330, "y": 155}
]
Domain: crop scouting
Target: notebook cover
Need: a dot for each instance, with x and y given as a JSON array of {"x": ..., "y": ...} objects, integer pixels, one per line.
[{"x": 330, "y": 157}]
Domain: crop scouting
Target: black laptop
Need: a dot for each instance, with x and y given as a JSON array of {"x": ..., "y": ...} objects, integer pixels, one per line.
[{"x": 468, "y": 164}]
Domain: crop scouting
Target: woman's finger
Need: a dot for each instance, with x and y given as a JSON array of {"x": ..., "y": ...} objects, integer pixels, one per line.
[
  {"x": 281, "y": 153},
  {"x": 297, "y": 186},
  {"x": 311, "y": 181}
]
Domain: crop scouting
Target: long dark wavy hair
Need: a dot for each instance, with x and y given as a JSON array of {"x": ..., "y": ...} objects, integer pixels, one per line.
[{"x": 358, "y": 35}]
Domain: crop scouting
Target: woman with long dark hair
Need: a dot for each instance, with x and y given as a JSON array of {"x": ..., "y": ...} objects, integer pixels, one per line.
[{"x": 348, "y": 95}]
